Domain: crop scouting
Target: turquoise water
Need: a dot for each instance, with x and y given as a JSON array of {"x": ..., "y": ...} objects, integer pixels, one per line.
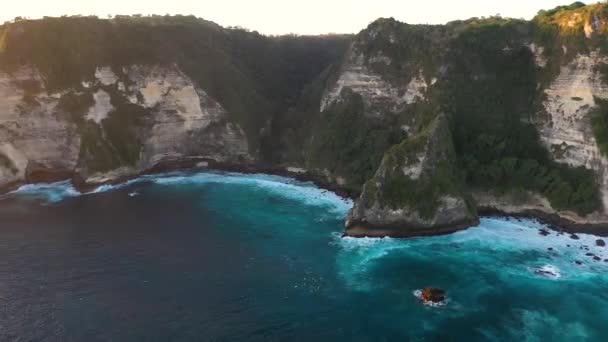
[{"x": 228, "y": 257}]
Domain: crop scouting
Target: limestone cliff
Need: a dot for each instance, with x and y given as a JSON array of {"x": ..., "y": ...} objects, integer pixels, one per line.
[
  {"x": 564, "y": 124},
  {"x": 519, "y": 97},
  {"x": 372, "y": 101},
  {"x": 379, "y": 95},
  {"x": 41, "y": 140},
  {"x": 565, "y": 130},
  {"x": 98, "y": 100},
  {"x": 33, "y": 141}
]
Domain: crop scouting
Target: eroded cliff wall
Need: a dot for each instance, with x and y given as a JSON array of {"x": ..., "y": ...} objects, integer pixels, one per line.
[
  {"x": 42, "y": 138},
  {"x": 565, "y": 126},
  {"x": 98, "y": 100}
]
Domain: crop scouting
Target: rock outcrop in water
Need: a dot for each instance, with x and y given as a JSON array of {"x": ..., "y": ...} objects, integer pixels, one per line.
[
  {"x": 426, "y": 125},
  {"x": 431, "y": 295}
]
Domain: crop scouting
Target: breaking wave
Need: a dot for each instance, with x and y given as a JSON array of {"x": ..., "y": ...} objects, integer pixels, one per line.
[
  {"x": 506, "y": 247},
  {"x": 48, "y": 192}
]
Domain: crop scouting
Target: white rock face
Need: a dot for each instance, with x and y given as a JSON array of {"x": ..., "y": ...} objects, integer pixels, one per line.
[
  {"x": 539, "y": 58},
  {"x": 101, "y": 108},
  {"x": 30, "y": 131},
  {"x": 182, "y": 114},
  {"x": 376, "y": 91},
  {"x": 567, "y": 133},
  {"x": 106, "y": 76},
  {"x": 414, "y": 170},
  {"x": 173, "y": 92},
  {"x": 183, "y": 122}
]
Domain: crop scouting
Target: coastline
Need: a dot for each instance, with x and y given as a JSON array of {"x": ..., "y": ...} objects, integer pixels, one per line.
[
  {"x": 193, "y": 164},
  {"x": 551, "y": 220},
  {"x": 358, "y": 230},
  {"x": 365, "y": 230}
]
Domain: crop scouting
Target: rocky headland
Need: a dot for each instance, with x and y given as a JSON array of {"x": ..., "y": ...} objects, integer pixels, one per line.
[{"x": 427, "y": 127}]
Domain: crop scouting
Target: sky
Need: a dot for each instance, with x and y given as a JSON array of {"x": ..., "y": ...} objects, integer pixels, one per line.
[{"x": 288, "y": 16}]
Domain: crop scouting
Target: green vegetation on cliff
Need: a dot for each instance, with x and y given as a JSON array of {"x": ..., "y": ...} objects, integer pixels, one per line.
[
  {"x": 566, "y": 31},
  {"x": 349, "y": 144},
  {"x": 431, "y": 152},
  {"x": 490, "y": 96},
  {"x": 115, "y": 141},
  {"x": 489, "y": 90},
  {"x": 599, "y": 123},
  {"x": 410, "y": 48}
]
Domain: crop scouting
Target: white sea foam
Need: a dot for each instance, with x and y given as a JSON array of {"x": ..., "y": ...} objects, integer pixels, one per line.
[
  {"x": 48, "y": 192},
  {"x": 507, "y": 247},
  {"x": 304, "y": 192},
  {"x": 548, "y": 271},
  {"x": 113, "y": 187},
  {"x": 58, "y": 191},
  {"x": 357, "y": 256}
]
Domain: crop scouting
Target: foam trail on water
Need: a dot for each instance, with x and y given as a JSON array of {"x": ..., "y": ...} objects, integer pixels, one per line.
[
  {"x": 112, "y": 187},
  {"x": 304, "y": 192}
]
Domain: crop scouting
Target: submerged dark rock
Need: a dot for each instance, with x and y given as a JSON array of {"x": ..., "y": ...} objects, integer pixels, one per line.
[
  {"x": 543, "y": 232},
  {"x": 600, "y": 242},
  {"x": 574, "y": 237}
]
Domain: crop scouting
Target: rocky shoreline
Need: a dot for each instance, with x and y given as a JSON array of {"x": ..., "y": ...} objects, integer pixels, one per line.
[
  {"x": 553, "y": 221},
  {"x": 363, "y": 230},
  {"x": 189, "y": 164},
  {"x": 355, "y": 229}
]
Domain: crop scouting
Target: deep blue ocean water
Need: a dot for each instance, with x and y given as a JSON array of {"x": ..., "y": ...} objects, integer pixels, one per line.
[{"x": 228, "y": 257}]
